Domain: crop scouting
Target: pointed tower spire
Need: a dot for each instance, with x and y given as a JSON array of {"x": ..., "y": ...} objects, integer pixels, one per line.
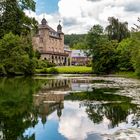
[{"x": 59, "y": 27}]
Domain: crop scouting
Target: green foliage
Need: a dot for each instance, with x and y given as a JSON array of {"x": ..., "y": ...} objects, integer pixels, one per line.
[
  {"x": 13, "y": 18},
  {"x": 136, "y": 54},
  {"x": 2, "y": 70},
  {"x": 80, "y": 45},
  {"x": 124, "y": 51},
  {"x": 94, "y": 37},
  {"x": 27, "y": 4},
  {"x": 16, "y": 54},
  {"x": 37, "y": 54},
  {"x": 73, "y": 39},
  {"x": 16, "y": 101},
  {"x": 44, "y": 64},
  {"x": 53, "y": 71},
  {"x": 51, "y": 64},
  {"x": 102, "y": 94},
  {"x": 114, "y": 51},
  {"x": 104, "y": 59},
  {"x": 129, "y": 54},
  {"x": 102, "y": 51},
  {"x": 137, "y": 64},
  {"x": 117, "y": 30},
  {"x": 30, "y": 66},
  {"x": 42, "y": 71}
]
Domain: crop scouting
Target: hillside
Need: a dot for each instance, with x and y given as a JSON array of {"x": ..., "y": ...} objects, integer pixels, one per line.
[{"x": 74, "y": 39}]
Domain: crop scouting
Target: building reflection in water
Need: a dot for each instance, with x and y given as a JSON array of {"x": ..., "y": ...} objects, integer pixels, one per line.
[{"x": 51, "y": 96}]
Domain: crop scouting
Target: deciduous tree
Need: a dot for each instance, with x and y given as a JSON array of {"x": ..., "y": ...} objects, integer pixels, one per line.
[
  {"x": 102, "y": 50},
  {"x": 117, "y": 30},
  {"x": 13, "y": 18}
]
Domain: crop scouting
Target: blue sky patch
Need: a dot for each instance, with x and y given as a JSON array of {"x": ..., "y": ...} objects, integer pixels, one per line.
[{"x": 46, "y": 6}]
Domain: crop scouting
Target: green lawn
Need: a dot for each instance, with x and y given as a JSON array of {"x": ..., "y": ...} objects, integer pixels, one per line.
[
  {"x": 74, "y": 69},
  {"x": 67, "y": 70}
]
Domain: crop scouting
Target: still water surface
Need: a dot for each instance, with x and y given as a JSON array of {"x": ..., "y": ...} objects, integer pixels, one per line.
[{"x": 69, "y": 108}]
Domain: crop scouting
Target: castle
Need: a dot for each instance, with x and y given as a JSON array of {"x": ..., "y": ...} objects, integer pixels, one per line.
[{"x": 50, "y": 44}]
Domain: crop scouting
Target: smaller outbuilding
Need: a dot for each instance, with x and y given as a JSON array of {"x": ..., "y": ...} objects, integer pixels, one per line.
[{"x": 79, "y": 58}]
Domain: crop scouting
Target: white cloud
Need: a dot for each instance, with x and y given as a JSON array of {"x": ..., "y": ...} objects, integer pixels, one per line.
[
  {"x": 78, "y": 16},
  {"x": 75, "y": 124},
  {"x": 52, "y": 20}
]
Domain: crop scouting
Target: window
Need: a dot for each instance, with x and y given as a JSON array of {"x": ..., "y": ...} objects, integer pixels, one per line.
[{"x": 41, "y": 39}]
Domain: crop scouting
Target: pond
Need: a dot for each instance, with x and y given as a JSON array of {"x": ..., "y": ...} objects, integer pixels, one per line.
[{"x": 67, "y": 107}]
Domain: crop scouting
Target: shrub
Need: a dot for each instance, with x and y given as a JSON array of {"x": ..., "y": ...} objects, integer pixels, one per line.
[
  {"x": 51, "y": 64},
  {"x": 42, "y": 64},
  {"x": 53, "y": 71},
  {"x": 2, "y": 70}
]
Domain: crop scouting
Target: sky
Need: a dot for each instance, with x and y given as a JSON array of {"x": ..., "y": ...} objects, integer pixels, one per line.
[{"x": 78, "y": 16}]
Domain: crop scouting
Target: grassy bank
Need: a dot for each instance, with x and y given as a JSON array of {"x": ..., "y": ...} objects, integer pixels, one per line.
[
  {"x": 66, "y": 70},
  {"x": 127, "y": 74},
  {"x": 80, "y": 70}
]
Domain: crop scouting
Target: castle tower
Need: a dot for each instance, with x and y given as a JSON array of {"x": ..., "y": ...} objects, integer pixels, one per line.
[
  {"x": 59, "y": 28},
  {"x": 44, "y": 21},
  {"x": 61, "y": 34}
]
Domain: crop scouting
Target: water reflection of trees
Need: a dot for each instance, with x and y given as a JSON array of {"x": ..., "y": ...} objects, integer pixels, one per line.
[
  {"x": 16, "y": 110},
  {"x": 115, "y": 112},
  {"x": 114, "y": 107}
]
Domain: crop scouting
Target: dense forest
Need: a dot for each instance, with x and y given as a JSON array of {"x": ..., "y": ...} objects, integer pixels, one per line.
[{"x": 73, "y": 39}]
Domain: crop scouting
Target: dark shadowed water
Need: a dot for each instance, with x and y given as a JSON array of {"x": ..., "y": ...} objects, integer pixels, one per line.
[{"x": 69, "y": 108}]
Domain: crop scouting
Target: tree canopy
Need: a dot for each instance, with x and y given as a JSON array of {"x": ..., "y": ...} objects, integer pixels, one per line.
[
  {"x": 16, "y": 55},
  {"x": 13, "y": 18},
  {"x": 16, "y": 51},
  {"x": 117, "y": 30},
  {"x": 73, "y": 39},
  {"x": 113, "y": 49},
  {"x": 101, "y": 50}
]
